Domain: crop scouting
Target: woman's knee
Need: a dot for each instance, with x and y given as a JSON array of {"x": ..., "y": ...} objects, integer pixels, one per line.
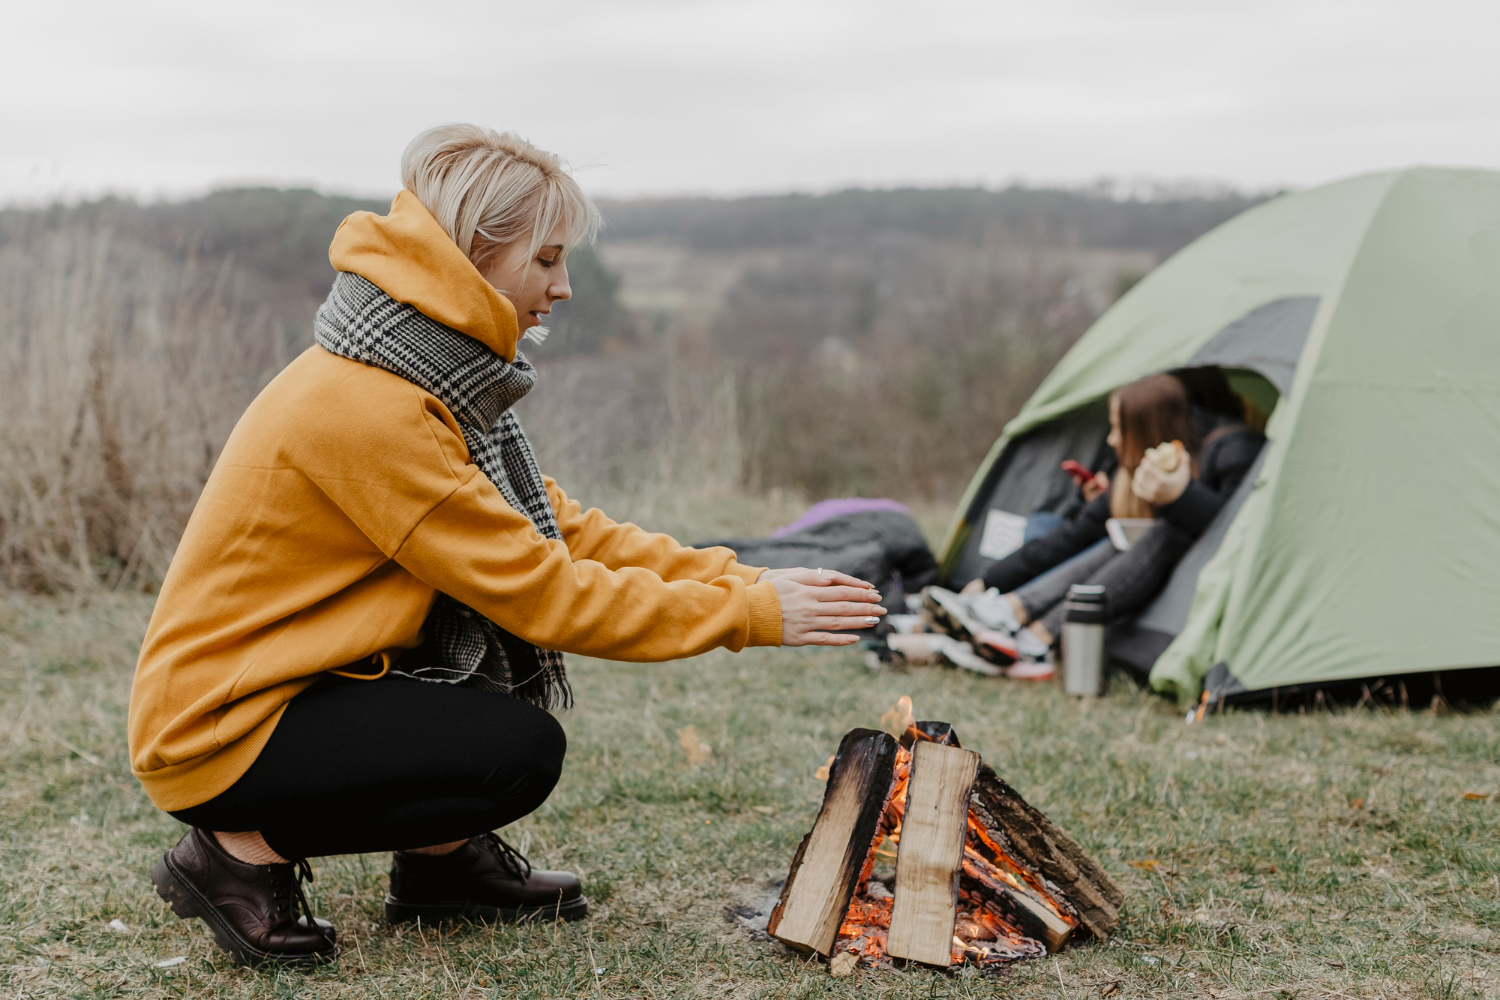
[
  {"x": 527, "y": 757},
  {"x": 549, "y": 745}
]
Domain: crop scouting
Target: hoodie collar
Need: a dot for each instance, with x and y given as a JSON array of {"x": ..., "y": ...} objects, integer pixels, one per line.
[{"x": 410, "y": 258}]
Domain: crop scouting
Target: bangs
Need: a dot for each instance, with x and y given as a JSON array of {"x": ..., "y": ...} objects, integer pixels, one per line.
[{"x": 562, "y": 204}]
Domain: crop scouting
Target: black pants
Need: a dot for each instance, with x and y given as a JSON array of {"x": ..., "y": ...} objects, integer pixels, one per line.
[
  {"x": 360, "y": 766},
  {"x": 1130, "y": 579}
]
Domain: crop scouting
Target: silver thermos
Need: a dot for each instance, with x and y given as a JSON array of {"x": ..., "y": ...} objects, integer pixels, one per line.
[{"x": 1083, "y": 641}]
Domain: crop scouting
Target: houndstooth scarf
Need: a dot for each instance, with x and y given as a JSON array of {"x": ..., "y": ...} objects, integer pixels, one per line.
[{"x": 360, "y": 322}]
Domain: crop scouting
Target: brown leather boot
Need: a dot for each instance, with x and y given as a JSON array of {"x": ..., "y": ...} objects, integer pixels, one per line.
[
  {"x": 484, "y": 880},
  {"x": 257, "y": 912}
]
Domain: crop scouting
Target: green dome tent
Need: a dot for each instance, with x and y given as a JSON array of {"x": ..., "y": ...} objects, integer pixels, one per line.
[{"x": 1366, "y": 541}]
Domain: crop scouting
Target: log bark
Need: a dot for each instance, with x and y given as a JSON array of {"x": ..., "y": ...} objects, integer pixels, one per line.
[
  {"x": 827, "y": 864},
  {"x": 1032, "y": 840},
  {"x": 930, "y": 853},
  {"x": 1021, "y": 906}
]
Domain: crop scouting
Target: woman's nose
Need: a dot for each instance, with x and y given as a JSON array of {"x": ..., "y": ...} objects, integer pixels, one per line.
[{"x": 560, "y": 292}]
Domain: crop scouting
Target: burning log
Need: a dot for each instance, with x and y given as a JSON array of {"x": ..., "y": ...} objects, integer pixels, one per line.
[
  {"x": 980, "y": 875},
  {"x": 1018, "y": 830},
  {"x": 931, "y": 852},
  {"x": 829, "y": 863}
]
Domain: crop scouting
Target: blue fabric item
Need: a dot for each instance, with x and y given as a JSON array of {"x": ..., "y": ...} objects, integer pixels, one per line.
[{"x": 1043, "y": 522}]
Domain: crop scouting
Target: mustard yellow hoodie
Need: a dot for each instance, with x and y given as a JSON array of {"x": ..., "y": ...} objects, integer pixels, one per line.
[{"x": 345, "y": 500}]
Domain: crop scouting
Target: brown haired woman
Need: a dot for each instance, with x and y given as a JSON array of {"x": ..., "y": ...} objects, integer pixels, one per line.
[
  {"x": 362, "y": 629},
  {"x": 1018, "y": 616}
]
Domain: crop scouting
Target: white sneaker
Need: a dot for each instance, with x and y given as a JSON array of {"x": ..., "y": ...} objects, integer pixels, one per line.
[
  {"x": 1031, "y": 670},
  {"x": 995, "y": 611},
  {"x": 962, "y": 615},
  {"x": 1030, "y": 647},
  {"x": 962, "y": 655}
]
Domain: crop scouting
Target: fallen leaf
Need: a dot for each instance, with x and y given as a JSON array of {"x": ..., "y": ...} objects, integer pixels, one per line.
[
  {"x": 1109, "y": 989},
  {"x": 842, "y": 964},
  {"x": 1357, "y": 803},
  {"x": 822, "y": 773},
  {"x": 1148, "y": 865},
  {"x": 1477, "y": 796},
  {"x": 899, "y": 717},
  {"x": 697, "y": 751}
]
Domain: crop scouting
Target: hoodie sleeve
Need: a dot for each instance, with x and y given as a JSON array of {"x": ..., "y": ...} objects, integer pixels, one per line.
[
  {"x": 591, "y": 534},
  {"x": 477, "y": 548},
  {"x": 1222, "y": 468},
  {"x": 408, "y": 484}
]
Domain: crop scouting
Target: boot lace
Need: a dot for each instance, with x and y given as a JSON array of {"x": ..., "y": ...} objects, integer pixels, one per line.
[
  {"x": 510, "y": 859},
  {"x": 291, "y": 901}
]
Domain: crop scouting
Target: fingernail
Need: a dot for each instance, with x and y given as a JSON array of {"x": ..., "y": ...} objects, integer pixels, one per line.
[
  {"x": 872, "y": 620},
  {"x": 880, "y": 611}
]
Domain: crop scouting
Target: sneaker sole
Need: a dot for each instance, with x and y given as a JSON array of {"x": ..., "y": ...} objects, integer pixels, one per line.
[
  {"x": 188, "y": 903},
  {"x": 950, "y": 622},
  {"x": 397, "y": 912}
]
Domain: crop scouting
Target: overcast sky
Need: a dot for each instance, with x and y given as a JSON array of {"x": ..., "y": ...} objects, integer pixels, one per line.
[{"x": 168, "y": 98}]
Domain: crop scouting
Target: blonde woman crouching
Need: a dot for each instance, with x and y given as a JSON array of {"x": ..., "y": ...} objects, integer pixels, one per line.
[{"x": 361, "y": 634}]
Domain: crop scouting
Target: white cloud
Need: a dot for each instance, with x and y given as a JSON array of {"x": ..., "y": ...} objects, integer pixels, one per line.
[{"x": 659, "y": 96}]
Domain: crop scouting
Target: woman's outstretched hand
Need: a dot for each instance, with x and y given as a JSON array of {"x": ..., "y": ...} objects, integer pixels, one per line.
[{"x": 815, "y": 602}]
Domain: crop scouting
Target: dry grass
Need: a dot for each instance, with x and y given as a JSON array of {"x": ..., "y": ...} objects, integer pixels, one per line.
[
  {"x": 1325, "y": 855},
  {"x": 121, "y": 374}
]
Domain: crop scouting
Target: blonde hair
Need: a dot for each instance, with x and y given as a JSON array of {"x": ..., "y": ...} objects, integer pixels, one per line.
[{"x": 488, "y": 189}]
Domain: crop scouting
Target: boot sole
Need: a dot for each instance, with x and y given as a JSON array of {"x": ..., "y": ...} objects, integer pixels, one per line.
[
  {"x": 397, "y": 912},
  {"x": 187, "y": 902}
]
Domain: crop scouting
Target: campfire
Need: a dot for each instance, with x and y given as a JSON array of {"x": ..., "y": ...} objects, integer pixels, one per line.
[{"x": 980, "y": 875}]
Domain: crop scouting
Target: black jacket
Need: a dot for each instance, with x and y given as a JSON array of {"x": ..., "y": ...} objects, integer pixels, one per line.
[{"x": 1225, "y": 457}]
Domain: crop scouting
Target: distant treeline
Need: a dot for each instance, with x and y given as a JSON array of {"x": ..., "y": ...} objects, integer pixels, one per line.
[
  {"x": 282, "y": 235},
  {"x": 972, "y": 216}
]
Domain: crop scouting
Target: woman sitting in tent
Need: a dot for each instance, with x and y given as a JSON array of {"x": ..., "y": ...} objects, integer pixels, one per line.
[{"x": 1018, "y": 614}]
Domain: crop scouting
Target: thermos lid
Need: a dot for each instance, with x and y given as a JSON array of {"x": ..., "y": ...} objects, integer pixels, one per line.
[{"x": 1085, "y": 604}]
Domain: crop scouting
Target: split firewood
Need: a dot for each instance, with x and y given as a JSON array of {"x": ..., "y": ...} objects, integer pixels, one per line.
[
  {"x": 831, "y": 857},
  {"x": 1028, "y": 911},
  {"x": 931, "y": 852},
  {"x": 1054, "y": 858},
  {"x": 981, "y": 876}
]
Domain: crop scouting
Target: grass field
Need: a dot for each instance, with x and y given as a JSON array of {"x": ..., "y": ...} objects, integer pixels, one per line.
[{"x": 1323, "y": 855}]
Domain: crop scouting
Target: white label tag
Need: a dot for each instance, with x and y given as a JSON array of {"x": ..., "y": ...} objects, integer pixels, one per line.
[{"x": 1003, "y": 534}]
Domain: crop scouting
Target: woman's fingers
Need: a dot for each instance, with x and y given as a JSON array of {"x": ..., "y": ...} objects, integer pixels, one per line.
[
  {"x": 830, "y": 595},
  {"x": 817, "y": 578},
  {"x": 840, "y": 624},
  {"x": 833, "y": 578},
  {"x": 808, "y": 611},
  {"x": 826, "y": 639},
  {"x": 849, "y": 610}
]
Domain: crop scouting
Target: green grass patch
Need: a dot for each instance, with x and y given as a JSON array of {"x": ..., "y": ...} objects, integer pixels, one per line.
[{"x": 1331, "y": 854}]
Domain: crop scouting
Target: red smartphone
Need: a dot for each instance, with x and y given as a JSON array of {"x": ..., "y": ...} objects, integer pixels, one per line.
[{"x": 1078, "y": 472}]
